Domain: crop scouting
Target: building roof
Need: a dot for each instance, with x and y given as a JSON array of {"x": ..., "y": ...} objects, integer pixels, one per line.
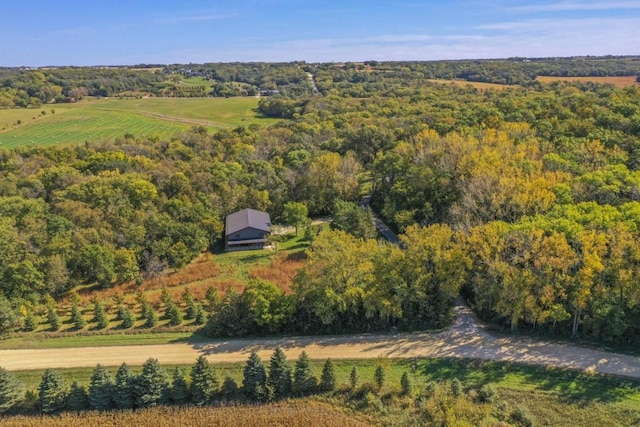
[{"x": 247, "y": 218}]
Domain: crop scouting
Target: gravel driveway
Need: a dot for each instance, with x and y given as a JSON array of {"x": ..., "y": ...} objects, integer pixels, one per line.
[{"x": 465, "y": 338}]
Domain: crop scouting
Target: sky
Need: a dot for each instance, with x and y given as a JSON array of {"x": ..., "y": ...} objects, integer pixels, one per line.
[{"x": 128, "y": 32}]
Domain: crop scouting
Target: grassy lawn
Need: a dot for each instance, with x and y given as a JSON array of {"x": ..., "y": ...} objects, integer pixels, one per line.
[
  {"x": 109, "y": 118},
  {"x": 62, "y": 341}
]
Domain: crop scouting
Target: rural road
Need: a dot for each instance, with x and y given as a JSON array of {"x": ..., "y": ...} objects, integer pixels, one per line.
[{"x": 465, "y": 339}]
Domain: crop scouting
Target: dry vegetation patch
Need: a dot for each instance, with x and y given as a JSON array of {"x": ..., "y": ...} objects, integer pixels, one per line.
[
  {"x": 617, "y": 81},
  {"x": 298, "y": 413},
  {"x": 281, "y": 271}
]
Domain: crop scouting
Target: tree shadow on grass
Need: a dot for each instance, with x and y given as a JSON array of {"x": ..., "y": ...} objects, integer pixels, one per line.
[
  {"x": 582, "y": 387},
  {"x": 469, "y": 371}
]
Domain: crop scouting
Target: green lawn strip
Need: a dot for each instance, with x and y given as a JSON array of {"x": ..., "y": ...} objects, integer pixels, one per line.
[{"x": 41, "y": 341}]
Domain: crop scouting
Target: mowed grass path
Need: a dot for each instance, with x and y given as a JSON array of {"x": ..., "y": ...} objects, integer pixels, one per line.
[{"x": 109, "y": 118}]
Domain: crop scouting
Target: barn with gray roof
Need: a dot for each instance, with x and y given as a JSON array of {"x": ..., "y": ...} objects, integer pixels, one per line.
[{"x": 247, "y": 229}]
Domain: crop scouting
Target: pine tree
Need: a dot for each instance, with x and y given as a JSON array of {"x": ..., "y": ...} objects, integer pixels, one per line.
[
  {"x": 174, "y": 314},
  {"x": 152, "y": 385},
  {"x": 127, "y": 317},
  {"x": 303, "y": 381},
  {"x": 31, "y": 321},
  {"x": 100, "y": 389},
  {"x": 280, "y": 374},
  {"x": 180, "y": 394},
  {"x": 328, "y": 378},
  {"x": 456, "y": 387},
  {"x": 254, "y": 381},
  {"x": 405, "y": 384},
  {"x": 123, "y": 387},
  {"x": 212, "y": 299},
  {"x": 76, "y": 312},
  {"x": 378, "y": 377},
  {"x": 150, "y": 316},
  {"x": 165, "y": 297},
  {"x": 201, "y": 315},
  {"x": 204, "y": 382},
  {"x": 190, "y": 312},
  {"x": 229, "y": 388},
  {"x": 52, "y": 392},
  {"x": 353, "y": 378},
  {"x": 52, "y": 314},
  {"x": 147, "y": 311},
  {"x": 11, "y": 390},
  {"x": 99, "y": 314},
  {"x": 77, "y": 400}
]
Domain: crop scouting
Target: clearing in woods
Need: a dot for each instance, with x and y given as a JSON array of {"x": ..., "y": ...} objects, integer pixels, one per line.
[
  {"x": 95, "y": 119},
  {"x": 617, "y": 81}
]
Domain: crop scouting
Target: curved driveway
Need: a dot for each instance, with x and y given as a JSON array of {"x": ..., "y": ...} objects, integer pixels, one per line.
[{"x": 465, "y": 338}]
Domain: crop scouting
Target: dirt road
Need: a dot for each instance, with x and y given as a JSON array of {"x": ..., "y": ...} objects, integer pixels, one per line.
[{"x": 466, "y": 338}]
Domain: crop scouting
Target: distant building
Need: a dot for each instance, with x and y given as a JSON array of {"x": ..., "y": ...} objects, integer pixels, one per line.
[{"x": 247, "y": 229}]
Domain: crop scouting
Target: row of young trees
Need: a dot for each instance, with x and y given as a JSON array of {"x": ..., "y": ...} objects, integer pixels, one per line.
[
  {"x": 154, "y": 386},
  {"x": 127, "y": 316}
]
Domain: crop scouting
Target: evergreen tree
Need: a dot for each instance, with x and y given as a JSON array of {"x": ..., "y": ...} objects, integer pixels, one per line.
[
  {"x": 405, "y": 384},
  {"x": 353, "y": 378},
  {"x": 127, "y": 317},
  {"x": 378, "y": 377},
  {"x": 328, "y": 378},
  {"x": 100, "y": 389},
  {"x": 204, "y": 382},
  {"x": 229, "y": 388},
  {"x": 76, "y": 313},
  {"x": 303, "y": 381},
  {"x": 147, "y": 311},
  {"x": 190, "y": 312},
  {"x": 143, "y": 302},
  {"x": 456, "y": 387},
  {"x": 212, "y": 298},
  {"x": 165, "y": 297},
  {"x": 52, "y": 314},
  {"x": 174, "y": 314},
  {"x": 180, "y": 394},
  {"x": 99, "y": 314},
  {"x": 279, "y": 374},
  {"x": 201, "y": 315},
  {"x": 152, "y": 385},
  {"x": 77, "y": 400},
  {"x": 118, "y": 301},
  {"x": 52, "y": 392},
  {"x": 123, "y": 397},
  {"x": 31, "y": 321},
  {"x": 150, "y": 316},
  {"x": 11, "y": 390},
  {"x": 254, "y": 383}
]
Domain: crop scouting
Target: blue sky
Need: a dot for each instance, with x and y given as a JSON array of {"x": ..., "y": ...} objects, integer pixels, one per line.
[{"x": 119, "y": 32}]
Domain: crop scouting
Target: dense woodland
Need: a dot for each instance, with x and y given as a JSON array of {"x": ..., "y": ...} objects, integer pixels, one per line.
[{"x": 527, "y": 200}]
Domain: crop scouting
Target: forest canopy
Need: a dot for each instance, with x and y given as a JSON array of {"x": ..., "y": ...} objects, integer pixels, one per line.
[{"x": 531, "y": 193}]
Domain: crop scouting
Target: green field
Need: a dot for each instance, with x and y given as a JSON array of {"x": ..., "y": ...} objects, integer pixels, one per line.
[{"x": 109, "y": 118}]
